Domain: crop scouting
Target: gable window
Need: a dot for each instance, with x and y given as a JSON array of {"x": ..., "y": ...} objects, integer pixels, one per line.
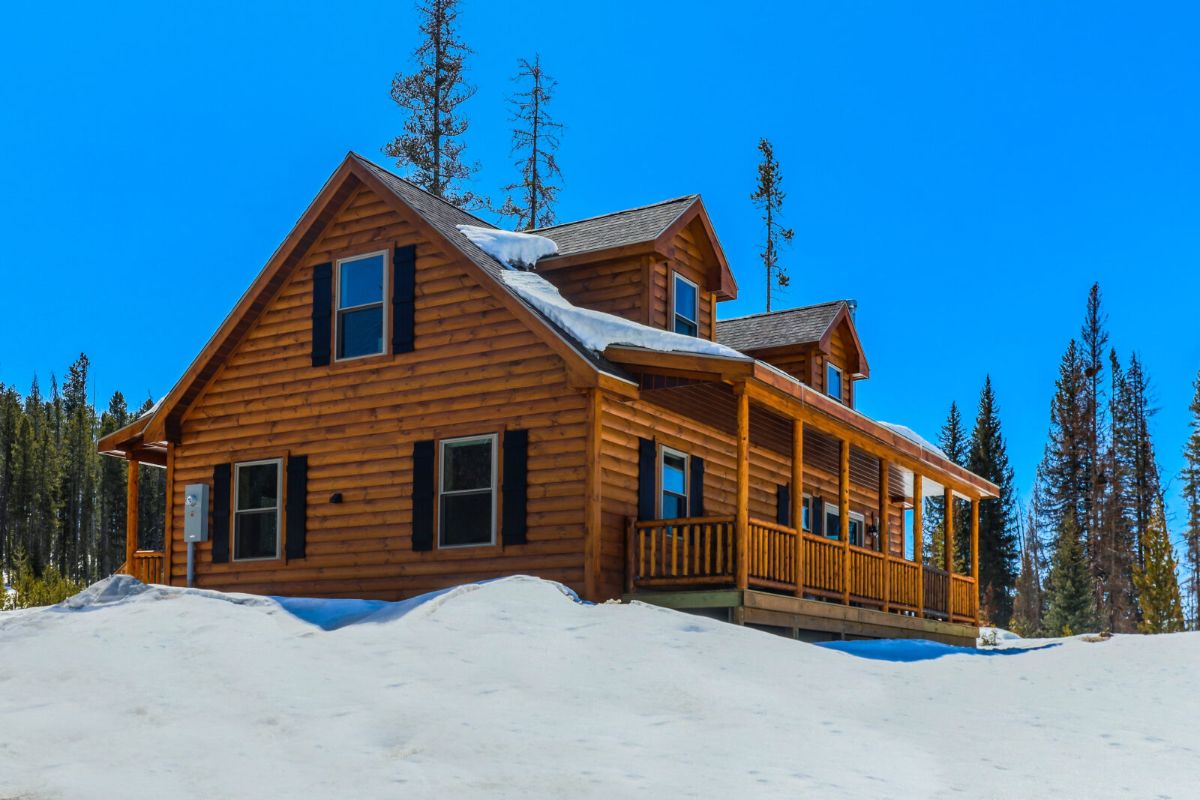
[
  {"x": 467, "y": 492},
  {"x": 673, "y": 481},
  {"x": 833, "y": 381},
  {"x": 256, "y": 510},
  {"x": 687, "y": 305},
  {"x": 360, "y": 306}
]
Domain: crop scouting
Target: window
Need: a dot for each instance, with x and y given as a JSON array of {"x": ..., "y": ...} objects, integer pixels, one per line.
[
  {"x": 833, "y": 528},
  {"x": 673, "y": 474},
  {"x": 467, "y": 494},
  {"x": 360, "y": 306},
  {"x": 833, "y": 381},
  {"x": 687, "y": 301},
  {"x": 806, "y": 514},
  {"x": 256, "y": 510}
]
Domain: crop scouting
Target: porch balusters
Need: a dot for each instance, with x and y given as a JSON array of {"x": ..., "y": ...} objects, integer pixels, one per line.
[
  {"x": 797, "y": 498},
  {"x": 844, "y": 516}
]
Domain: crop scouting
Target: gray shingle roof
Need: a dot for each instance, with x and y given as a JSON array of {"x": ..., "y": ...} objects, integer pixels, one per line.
[
  {"x": 444, "y": 217},
  {"x": 779, "y": 328},
  {"x": 632, "y": 226}
]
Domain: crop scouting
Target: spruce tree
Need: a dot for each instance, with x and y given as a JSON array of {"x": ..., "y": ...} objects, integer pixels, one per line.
[
  {"x": 112, "y": 497},
  {"x": 1157, "y": 584},
  {"x": 431, "y": 147},
  {"x": 768, "y": 196},
  {"x": 1093, "y": 349},
  {"x": 79, "y": 460},
  {"x": 1190, "y": 478},
  {"x": 1070, "y": 594},
  {"x": 535, "y": 140},
  {"x": 1114, "y": 561},
  {"x": 988, "y": 458}
]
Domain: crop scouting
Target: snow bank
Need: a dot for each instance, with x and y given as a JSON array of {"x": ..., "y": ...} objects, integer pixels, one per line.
[
  {"x": 597, "y": 330},
  {"x": 913, "y": 436},
  {"x": 514, "y": 689},
  {"x": 515, "y": 250}
]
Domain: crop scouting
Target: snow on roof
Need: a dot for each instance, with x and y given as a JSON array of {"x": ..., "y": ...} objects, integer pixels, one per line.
[
  {"x": 516, "y": 250},
  {"x": 913, "y": 436},
  {"x": 597, "y": 330}
]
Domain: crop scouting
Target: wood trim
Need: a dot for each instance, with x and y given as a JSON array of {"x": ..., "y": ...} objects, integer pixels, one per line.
[
  {"x": 593, "y": 497},
  {"x": 844, "y": 514},
  {"x": 742, "y": 517},
  {"x": 919, "y": 540},
  {"x": 797, "y": 499},
  {"x": 975, "y": 555},
  {"x": 843, "y": 315},
  {"x": 948, "y": 531},
  {"x": 169, "y": 517},
  {"x": 131, "y": 510},
  {"x": 885, "y": 532}
]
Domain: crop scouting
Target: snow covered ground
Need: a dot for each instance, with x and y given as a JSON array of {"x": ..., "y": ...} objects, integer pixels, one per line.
[{"x": 514, "y": 689}]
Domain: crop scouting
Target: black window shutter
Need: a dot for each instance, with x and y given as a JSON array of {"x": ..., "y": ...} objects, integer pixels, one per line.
[
  {"x": 404, "y": 294},
  {"x": 696, "y": 490},
  {"x": 322, "y": 311},
  {"x": 220, "y": 514},
  {"x": 783, "y": 504},
  {"x": 516, "y": 458},
  {"x": 297, "y": 505},
  {"x": 422, "y": 496},
  {"x": 818, "y": 516},
  {"x": 647, "y": 480}
]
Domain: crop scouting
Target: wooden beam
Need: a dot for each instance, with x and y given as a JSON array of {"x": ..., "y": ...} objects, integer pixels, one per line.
[
  {"x": 844, "y": 515},
  {"x": 948, "y": 530},
  {"x": 131, "y": 513},
  {"x": 592, "y": 498},
  {"x": 975, "y": 554},
  {"x": 742, "y": 516},
  {"x": 797, "y": 517},
  {"x": 885, "y": 537},
  {"x": 919, "y": 540},
  {"x": 169, "y": 516}
]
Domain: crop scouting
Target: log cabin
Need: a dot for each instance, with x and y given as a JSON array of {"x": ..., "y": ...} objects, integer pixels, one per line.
[{"x": 389, "y": 409}]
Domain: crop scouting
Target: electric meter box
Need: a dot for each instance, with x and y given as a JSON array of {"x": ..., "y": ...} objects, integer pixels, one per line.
[{"x": 195, "y": 512}]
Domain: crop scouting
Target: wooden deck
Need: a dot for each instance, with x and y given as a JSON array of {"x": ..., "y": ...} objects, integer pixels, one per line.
[
  {"x": 702, "y": 553},
  {"x": 146, "y": 566}
]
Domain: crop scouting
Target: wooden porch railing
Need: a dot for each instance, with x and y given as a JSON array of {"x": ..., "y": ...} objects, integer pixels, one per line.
[
  {"x": 700, "y": 551},
  {"x": 147, "y": 566}
]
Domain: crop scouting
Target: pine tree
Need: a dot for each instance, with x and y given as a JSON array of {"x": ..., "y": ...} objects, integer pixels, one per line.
[
  {"x": 1029, "y": 601},
  {"x": 431, "y": 146},
  {"x": 1157, "y": 584},
  {"x": 1093, "y": 347},
  {"x": 79, "y": 460},
  {"x": 988, "y": 458},
  {"x": 1117, "y": 603},
  {"x": 1190, "y": 477},
  {"x": 535, "y": 139},
  {"x": 1070, "y": 595},
  {"x": 769, "y": 197},
  {"x": 952, "y": 440},
  {"x": 1063, "y": 475},
  {"x": 112, "y": 485}
]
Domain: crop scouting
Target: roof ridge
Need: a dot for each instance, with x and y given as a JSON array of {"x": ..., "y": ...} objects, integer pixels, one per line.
[
  {"x": 783, "y": 311},
  {"x": 615, "y": 213},
  {"x": 424, "y": 191}
]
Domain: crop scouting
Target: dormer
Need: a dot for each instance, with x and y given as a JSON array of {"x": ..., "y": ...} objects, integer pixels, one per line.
[
  {"x": 660, "y": 265},
  {"x": 818, "y": 345}
]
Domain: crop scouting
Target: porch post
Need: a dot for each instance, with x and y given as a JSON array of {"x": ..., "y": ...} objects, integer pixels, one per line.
[
  {"x": 885, "y": 539},
  {"x": 844, "y": 516},
  {"x": 948, "y": 530},
  {"x": 919, "y": 540},
  {"x": 131, "y": 513},
  {"x": 975, "y": 554},
  {"x": 742, "y": 517},
  {"x": 798, "y": 500}
]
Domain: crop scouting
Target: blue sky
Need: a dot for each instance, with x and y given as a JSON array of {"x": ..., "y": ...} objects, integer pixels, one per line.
[{"x": 964, "y": 170}]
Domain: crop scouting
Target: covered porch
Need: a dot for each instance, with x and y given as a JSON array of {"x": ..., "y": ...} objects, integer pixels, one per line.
[
  {"x": 852, "y": 505},
  {"x": 148, "y": 566}
]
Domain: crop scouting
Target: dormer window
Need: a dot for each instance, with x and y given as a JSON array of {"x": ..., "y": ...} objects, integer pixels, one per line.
[
  {"x": 360, "y": 306},
  {"x": 833, "y": 381},
  {"x": 687, "y": 305}
]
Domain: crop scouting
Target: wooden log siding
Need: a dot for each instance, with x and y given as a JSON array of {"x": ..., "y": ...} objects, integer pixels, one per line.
[{"x": 475, "y": 369}]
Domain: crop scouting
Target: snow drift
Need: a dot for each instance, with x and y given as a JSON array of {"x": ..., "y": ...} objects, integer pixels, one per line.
[{"x": 515, "y": 689}]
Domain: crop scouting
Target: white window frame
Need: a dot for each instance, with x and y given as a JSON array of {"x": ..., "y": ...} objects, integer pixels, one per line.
[
  {"x": 829, "y": 365},
  {"x": 833, "y": 509},
  {"x": 663, "y": 451},
  {"x": 675, "y": 315},
  {"x": 493, "y": 440},
  {"x": 237, "y": 468},
  {"x": 337, "y": 305},
  {"x": 806, "y": 510}
]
